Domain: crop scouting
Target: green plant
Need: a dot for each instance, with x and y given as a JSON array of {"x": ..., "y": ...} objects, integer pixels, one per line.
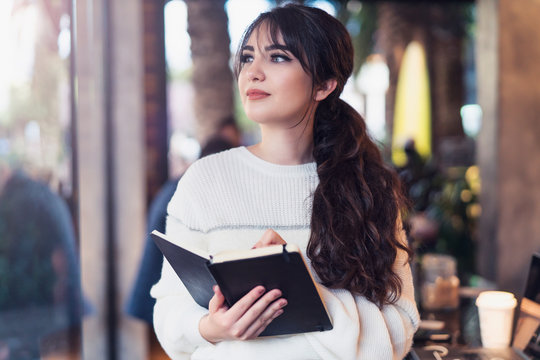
[{"x": 444, "y": 210}]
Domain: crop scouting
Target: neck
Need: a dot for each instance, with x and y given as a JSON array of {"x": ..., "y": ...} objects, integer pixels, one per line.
[{"x": 285, "y": 146}]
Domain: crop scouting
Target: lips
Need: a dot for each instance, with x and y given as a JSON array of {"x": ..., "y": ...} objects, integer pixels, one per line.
[{"x": 256, "y": 94}]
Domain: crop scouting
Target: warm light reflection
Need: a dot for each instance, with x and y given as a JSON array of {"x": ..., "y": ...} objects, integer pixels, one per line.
[
  {"x": 373, "y": 80},
  {"x": 18, "y": 26},
  {"x": 471, "y": 118},
  {"x": 177, "y": 41},
  {"x": 412, "y": 116},
  {"x": 5, "y": 11}
]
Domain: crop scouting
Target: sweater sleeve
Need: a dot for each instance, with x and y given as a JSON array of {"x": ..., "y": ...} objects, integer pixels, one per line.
[{"x": 362, "y": 330}]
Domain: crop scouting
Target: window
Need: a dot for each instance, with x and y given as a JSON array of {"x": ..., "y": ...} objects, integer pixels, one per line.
[{"x": 40, "y": 297}]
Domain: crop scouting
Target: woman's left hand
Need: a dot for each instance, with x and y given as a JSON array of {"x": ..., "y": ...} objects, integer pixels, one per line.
[{"x": 270, "y": 237}]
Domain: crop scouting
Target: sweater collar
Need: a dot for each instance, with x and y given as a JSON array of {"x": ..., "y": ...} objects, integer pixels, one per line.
[{"x": 307, "y": 169}]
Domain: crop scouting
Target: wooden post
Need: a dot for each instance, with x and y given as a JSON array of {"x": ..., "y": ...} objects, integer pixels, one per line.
[{"x": 508, "y": 147}]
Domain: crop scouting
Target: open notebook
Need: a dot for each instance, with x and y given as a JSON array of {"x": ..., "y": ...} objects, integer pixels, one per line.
[{"x": 237, "y": 272}]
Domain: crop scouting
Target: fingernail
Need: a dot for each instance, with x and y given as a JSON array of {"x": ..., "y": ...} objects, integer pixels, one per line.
[
  {"x": 279, "y": 312},
  {"x": 261, "y": 290},
  {"x": 283, "y": 303}
]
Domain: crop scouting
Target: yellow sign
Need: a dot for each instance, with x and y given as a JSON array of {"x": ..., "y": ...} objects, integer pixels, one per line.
[{"x": 412, "y": 116}]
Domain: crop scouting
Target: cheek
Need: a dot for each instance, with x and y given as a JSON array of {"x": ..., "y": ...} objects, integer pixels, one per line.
[
  {"x": 298, "y": 87},
  {"x": 296, "y": 80},
  {"x": 240, "y": 82},
  {"x": 242, "y": 77},
  {"x": 241, "y": 85}
]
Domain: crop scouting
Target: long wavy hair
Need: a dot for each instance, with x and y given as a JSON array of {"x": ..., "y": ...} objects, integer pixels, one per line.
[{"x": 354, "y": 232}]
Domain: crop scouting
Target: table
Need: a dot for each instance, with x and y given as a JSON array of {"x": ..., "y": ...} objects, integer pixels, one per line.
[{"x": 464, "y": 343}]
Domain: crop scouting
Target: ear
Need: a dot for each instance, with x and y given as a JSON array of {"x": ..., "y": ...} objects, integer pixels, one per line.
[{"x": 325, "y": 89}]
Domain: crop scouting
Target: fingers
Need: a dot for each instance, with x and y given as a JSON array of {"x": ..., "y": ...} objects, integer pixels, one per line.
[
  {"x": 217, "y": 301},
  {"x": 265, "y": 324},
  {"x": 245, "y": 303},
  {"x": 270, "y": 237},
  {"x": 274, "y": 310},
  {"x": 244, "y": 320},
  {"x": 259, "y": 315}
]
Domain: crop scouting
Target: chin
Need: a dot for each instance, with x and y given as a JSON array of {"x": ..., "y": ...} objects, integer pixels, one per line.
[{"x": 259, "y": 118}]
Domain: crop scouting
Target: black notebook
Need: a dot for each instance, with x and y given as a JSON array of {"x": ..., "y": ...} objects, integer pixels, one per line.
[{"x": 237, "y": 272}]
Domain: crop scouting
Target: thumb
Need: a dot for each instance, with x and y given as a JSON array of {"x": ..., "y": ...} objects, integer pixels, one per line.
[
  {"x": 217, "y": 301},
  {"x": 270, "y": 237}
]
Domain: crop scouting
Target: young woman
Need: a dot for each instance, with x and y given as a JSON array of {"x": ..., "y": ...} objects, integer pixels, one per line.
[{"x": 316, "y": 180}]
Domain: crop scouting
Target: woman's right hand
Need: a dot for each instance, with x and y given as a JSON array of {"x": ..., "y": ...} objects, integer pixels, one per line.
[{"x": 244, "y": 320}]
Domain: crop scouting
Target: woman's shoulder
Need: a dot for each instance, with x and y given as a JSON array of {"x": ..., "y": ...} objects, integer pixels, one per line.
[
  {"x": 207, "y": 182},
  {"x": 211, "y": 166},
  {"x": 221, "y": 158},
  {"x": 204, "y": 174}
]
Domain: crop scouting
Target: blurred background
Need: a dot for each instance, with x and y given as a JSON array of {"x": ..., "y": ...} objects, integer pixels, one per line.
[{"x": 104, "y": 103}]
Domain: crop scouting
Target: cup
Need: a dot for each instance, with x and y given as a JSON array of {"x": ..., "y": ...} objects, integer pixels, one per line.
[
  {"x": 440, "y": 286},
  {"x": 496, "y": 313}
]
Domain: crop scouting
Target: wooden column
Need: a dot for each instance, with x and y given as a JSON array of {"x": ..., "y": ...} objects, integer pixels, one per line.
[
  {"x": 212, "y": 78},
  {"x": 127, "y": 157},
  {"x": 509, "y": 141},
  {"x": 110, "y": 140},
  {"x": 519, "y": 134},
  {"x": 155, "y": 96},
  {"x": 90, "y": 119},
  {"x": 487, "y": 69}
]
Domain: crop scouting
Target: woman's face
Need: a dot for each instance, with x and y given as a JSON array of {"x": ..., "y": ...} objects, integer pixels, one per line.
[{"x": 274, "y": 88}]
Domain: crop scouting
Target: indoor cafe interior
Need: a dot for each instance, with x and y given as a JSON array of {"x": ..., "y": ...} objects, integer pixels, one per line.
[{"x": 105, "y": 104}]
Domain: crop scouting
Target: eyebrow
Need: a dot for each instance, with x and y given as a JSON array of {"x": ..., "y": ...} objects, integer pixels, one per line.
[
  {"x": 268, "y": 48},
  {"x": 276, "y": 47}
]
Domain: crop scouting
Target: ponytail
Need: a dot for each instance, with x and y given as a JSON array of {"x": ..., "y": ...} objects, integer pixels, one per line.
[{"x": 354, "y": 242}]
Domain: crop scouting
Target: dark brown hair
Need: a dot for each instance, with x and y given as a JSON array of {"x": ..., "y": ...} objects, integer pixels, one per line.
[{"x": 354, "y": 236}]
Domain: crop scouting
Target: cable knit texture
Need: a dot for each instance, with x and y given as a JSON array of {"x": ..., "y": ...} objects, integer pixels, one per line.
[{"x": 227, "y": 201}]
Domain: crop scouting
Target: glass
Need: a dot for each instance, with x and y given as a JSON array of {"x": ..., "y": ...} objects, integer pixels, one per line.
[
  {"x": 40, "y": 297},
  {"x": 440, "y": 286}
]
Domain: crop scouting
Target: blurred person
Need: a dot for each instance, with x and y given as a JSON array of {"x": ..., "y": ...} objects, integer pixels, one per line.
[
  {"x": 418, "y": 176},
  {"x": 316, "y": 178},
  {"x": 40, "y": 290},
  {"x": 140, "y": 304},
  {"x": 228, "y": 129}
]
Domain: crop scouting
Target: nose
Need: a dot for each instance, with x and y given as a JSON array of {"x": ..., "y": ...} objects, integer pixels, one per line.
[{"x": 255, "y": 72}]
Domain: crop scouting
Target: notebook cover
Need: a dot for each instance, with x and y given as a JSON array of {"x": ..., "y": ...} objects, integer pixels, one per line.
[
  {"x": 286, "y": 271},
  {"x": 191, "y": 269}
]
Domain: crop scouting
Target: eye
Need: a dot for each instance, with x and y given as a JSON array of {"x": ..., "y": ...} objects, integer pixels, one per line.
[
  {"x": 279, "y": 58},
  {"x": 246, "y": 58}
]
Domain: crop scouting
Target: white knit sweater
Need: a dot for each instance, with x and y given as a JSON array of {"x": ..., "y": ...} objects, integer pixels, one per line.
[{"x": 227, "y": 201}]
